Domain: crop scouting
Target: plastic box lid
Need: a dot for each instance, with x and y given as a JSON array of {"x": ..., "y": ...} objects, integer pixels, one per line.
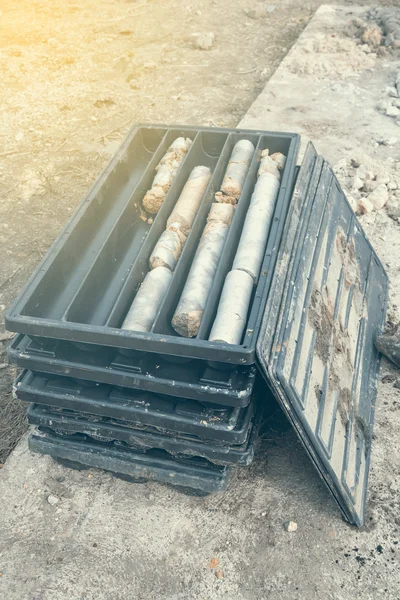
[
  {"x": 316, "y": 347},
  {"x": 321, "y": 306}
]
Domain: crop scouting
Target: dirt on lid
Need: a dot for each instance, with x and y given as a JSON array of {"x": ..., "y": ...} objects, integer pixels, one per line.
[{"x": 333, "y": 342}]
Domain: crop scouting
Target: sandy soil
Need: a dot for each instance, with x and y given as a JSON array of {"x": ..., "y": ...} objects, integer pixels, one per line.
[
  {"x": 105, "y": 538},
  {"x": 76, "y": 76}
]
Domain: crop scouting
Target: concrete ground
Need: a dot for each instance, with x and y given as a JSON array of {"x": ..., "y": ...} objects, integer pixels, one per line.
[{"x": 106, "y": 539}]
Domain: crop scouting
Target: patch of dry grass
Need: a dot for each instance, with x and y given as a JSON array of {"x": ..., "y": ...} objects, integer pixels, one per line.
[{"x": 13, "y": 423}]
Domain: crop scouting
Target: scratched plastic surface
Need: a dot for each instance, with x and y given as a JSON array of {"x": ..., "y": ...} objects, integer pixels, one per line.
[
  {"x": 154, "y": 465},
  {"x": 150, "y": 412},
  {"x": 72, "y": 423},
  {"x": 85, "y": 285},
  {"x": 193, "y": 380},
  {"x": 316, "y": 344}
]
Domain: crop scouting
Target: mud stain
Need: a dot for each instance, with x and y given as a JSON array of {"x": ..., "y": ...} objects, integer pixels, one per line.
[{"x": 333, "y": 343}]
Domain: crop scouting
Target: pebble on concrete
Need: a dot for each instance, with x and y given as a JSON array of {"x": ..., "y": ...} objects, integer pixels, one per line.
[
  {"x": 365, "y": 206},
  {"x": 358, "y": 183},
  {"x": 290, "y": 526},
  {"x": 53, "y": 500}
]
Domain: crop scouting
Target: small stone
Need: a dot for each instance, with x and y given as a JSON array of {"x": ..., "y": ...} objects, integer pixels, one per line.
[
  {"x": 263, "y": 514},
  {"x": 370, "y": 185},
  {"x": 151, "y": 497},
  {"x": 393, "y": 209},
  {"x": 363, "y": 173},
  {"x": 391, "y": 141},
  {"x": 391, "y": 91},
  {"x": 53, "y": 500},
  {"x": 365, "y": 206},
  {"x": 358, "y": 183},
  {"x": 3, "y": 366},
  {"x": 392, "y": 111},
  {"x": 392, "y": 185},
  {"x": 379, "y": 197},
  {"x": 290, "y": 526},
  {"x": 384, "y": 105},
  {"x": 396, "y": 44},
  {"x": 205, "y": 41},
  {"x": 365, "y": 48},
  {"x": 271, "y": 8},
  {"x": 372, "y": 36},
  {"x": 214, "y": 562},
  {"x": 396, "y": 102},
  {"x": 257, "y": 12}
]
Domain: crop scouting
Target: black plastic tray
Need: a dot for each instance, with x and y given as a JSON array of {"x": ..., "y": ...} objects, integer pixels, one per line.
[
  {"x": 156, "y": 465},
  {"x": 321, "y": 303},
  {"x": 105, "y": 430},
  {"x": 85, "y": 285},
  {"x": 316, "y": 345},
  {"x": 194, "y": 380},
  {"x": 153, "y": 413}
]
